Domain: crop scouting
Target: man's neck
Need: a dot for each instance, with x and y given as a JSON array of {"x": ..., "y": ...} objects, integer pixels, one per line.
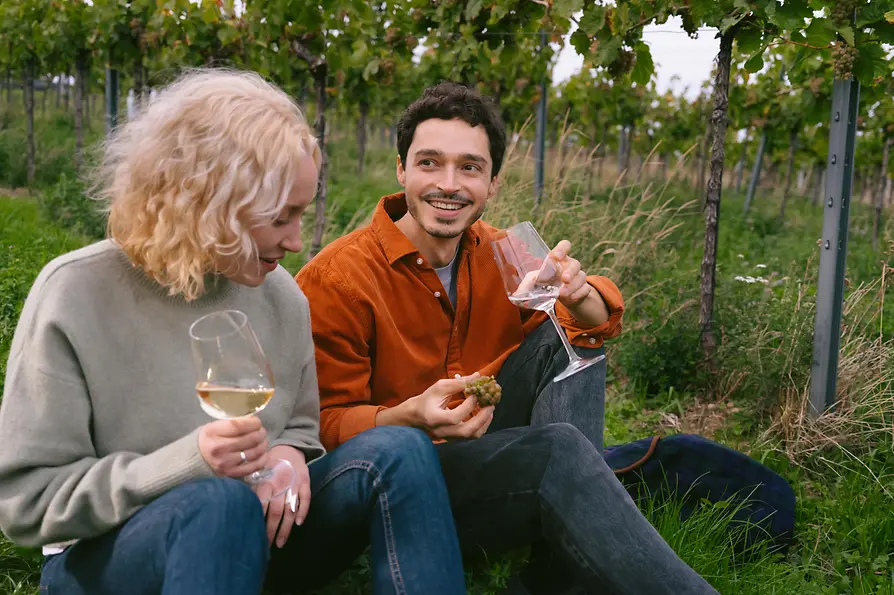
[{"x": 437, "y": 251}]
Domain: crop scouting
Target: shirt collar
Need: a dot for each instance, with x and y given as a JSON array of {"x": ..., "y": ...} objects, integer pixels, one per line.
[{"x": 393, "y": 241}]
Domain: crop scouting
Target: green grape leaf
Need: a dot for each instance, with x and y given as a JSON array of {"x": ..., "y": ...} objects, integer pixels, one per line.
[
  {"x": 567, "y": 8},
  {"x": 592, "y": 20},
  {"x": 749, "y": 40},
  {"x": 791, "y": 15},
  {"x": 472, "y": 9},
  {"x": 608, "y": 51},
  {"x": 581, "y": 42},
  {"x": 644, "y": 66},
  {"x": 754, "y": 63},
  {"x": 227, "y": 34},
  {"x": 820, "y": 32},
  {"x": 885, "y": 33},
  {"x": 870, "y": 64}
]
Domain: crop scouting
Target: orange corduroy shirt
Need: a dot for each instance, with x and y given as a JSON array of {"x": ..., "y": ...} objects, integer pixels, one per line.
[{"x": 384, "y": 328}]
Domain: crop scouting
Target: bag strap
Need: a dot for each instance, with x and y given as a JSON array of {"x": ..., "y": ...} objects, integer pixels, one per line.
[{"x": 652, "y": 446}]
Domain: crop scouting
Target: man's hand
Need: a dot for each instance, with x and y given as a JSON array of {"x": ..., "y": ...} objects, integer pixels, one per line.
[
  {"x": 429, "y": 412},
  {"x": 289, "y": 509},
  {"x": 223, "y": 443},
  {"x": 584, "y": 302}
]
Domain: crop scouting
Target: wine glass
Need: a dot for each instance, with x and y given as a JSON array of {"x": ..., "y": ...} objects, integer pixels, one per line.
[
  {"x": 532, "y": 279},
  {"x": 234, "y": 379}
]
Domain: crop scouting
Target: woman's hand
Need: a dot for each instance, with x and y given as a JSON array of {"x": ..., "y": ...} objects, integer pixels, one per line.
[
  {"x": 234, "y": 447},
  {"x": 283, "y": 512}
]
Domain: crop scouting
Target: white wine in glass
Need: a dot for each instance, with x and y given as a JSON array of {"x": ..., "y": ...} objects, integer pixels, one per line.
[
  {"x": 234, "y": 379},
  {"x": 225, "y": 402},
  {"x": 532, "y": 280}
]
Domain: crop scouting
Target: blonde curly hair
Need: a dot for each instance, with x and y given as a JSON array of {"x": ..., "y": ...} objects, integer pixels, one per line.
[{"x": 212, "y": 156}]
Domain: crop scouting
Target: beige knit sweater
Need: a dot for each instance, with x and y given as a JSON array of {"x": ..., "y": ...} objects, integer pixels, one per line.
[{"x": 99, "y": 413}]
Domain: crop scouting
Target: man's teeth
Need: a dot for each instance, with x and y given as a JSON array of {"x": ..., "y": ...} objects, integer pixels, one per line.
[{"x": 446, "y": 206}]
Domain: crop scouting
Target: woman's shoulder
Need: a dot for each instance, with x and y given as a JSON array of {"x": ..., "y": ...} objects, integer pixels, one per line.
[
  {"x": 80, "y": 267},
  {"x": 281, "y": 286}
]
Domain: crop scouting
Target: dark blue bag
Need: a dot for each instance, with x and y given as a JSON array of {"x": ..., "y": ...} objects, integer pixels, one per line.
[{"x": 694, "y": 469}]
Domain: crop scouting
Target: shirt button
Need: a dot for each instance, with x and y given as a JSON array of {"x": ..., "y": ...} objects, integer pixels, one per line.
[
  {"x": 437, "y": 294},
  {"x": 592, "y": 340},
  {"x": 418, "y": 261}
]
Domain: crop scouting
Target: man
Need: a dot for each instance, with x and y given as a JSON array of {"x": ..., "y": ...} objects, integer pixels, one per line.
[{"x": 402, "y": 307}]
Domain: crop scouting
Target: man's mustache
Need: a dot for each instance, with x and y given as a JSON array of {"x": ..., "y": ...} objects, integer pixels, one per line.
[{"x": 454, "y": 196}]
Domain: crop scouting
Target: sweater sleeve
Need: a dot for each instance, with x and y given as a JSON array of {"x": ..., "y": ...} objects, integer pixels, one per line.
[
  {"x": 303, "y": 428},
  {"x": 53, "y": 485}
]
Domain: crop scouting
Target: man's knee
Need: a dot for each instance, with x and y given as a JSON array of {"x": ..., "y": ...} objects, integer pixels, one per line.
[
  {"x": 395, "y": 448},
  {"x": 566, "y": 440}
]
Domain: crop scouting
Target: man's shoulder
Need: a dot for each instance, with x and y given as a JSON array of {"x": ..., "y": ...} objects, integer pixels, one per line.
[
  {"x": 485, "y": 230},
  {"x": 345, "y": 261},
  {"x": 360, "y": 245}
]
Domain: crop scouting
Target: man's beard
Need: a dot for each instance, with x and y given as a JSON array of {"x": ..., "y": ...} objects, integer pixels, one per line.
[{"x": 413, "y": 208}]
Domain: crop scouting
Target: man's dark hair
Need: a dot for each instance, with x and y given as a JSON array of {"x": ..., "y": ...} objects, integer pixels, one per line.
[{"x": 447, "y": 101}]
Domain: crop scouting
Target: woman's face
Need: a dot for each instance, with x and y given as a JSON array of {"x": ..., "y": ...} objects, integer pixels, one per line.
[{"x": 284, "y": 234}]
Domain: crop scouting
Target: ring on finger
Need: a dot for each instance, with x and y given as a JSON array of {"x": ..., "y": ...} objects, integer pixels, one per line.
[
  {"x": 242, "y": 456},
  {"x": 292, "y": 500}
]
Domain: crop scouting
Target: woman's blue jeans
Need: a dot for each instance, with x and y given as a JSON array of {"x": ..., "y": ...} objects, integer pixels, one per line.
[{"x": 384, "y": 488}]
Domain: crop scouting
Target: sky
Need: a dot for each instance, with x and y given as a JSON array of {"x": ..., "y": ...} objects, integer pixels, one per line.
[{"x": 673, "y": 52}]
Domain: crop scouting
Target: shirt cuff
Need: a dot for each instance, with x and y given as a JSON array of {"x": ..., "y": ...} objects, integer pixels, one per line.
[
  {"x": 357, "y": 419},
  {"x": 595, "y": 336}
]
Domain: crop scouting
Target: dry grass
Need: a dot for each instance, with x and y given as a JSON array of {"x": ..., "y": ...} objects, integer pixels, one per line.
[
  {"x": 628, "y": 225},
  {"x": 863, "y": 416}
]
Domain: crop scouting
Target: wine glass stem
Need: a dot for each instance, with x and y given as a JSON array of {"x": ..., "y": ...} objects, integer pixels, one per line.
[{"x": 552, "y": 316}]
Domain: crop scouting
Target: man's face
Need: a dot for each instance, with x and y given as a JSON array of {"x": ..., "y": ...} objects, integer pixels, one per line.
[{"x": 447, "y": 176}]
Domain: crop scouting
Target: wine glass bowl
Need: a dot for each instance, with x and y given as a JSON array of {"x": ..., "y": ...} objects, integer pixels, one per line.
[
  {"x": 234, "y": 379},
  {"x": 533, "y": 278}
]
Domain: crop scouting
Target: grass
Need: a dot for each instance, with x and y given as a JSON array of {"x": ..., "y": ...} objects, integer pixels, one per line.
[
  {"x": 648, "y": 237},
  {"x": 28, "y": 243}
]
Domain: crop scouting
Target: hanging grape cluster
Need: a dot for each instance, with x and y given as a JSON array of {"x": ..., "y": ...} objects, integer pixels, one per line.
[
  {"x": 843, "y": 10},
  {"x": 843, "y": 57},
  {"x": 623, "y": 63},
  {"x": 486, "y": 390}
]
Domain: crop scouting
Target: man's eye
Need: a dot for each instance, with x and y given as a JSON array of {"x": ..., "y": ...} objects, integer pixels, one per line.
[{"x": 426, "y": 162}]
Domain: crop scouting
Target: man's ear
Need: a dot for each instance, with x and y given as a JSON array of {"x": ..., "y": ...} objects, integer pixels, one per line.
[
  {"x": 494, "y": 187},
  {"x": 401, "y": 173}
]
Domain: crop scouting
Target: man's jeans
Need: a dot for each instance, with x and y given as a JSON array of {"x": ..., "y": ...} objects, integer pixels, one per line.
[
  {"x": 208, "y": 536},
  {"x": 547, "y": 482}
]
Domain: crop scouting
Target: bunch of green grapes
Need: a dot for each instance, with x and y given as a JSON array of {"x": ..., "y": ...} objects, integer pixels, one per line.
[
  {"x": 486, "y": 390},
  {"x": 843, "y": 57},
  {"x": 623, "y": 63},
  {"x": 843, "y": 10}
]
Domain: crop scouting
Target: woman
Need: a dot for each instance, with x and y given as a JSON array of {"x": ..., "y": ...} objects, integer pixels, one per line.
[{"x": 109, "y": 462}]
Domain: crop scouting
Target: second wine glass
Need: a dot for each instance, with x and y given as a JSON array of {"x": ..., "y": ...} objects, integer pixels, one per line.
[
  {"x": 532, "y": 279},
  {"x": 234, "y": 379}
]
